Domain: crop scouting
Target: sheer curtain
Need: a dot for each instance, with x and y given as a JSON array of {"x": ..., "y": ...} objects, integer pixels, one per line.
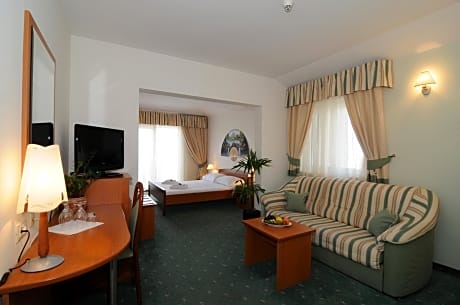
[
  {"x": 161, "y": 153},
  {"x": 331, "y": 147}
]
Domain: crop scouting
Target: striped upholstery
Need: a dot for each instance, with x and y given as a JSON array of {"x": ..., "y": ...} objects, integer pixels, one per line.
[
  {"x": 421, "y": 216},
  {"x": 351, "y": 242},
  {"x": 341, "y": 209}
]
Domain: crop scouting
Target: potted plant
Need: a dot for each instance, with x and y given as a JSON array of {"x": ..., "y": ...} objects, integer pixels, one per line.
[
  {"x": 245, "y": 191},
  {"x": 77, "y": 182}
]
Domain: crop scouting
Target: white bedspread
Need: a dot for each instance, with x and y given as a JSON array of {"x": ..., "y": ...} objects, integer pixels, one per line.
[{"x": 193, "y": 186}]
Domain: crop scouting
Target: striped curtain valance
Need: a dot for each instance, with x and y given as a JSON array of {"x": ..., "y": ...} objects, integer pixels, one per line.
[
  {"x": 373, "y": 74},
  {"x": 173, "y": 119}
]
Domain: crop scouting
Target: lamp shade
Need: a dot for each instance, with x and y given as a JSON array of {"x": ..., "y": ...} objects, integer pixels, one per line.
[
  {"x": 424, "y": 79},
  {"x": 42, "y": 185},
  {"x": 210, "y": 167}
]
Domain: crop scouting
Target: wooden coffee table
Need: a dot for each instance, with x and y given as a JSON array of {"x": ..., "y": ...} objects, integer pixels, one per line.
[{"x": 290, "y": 245}]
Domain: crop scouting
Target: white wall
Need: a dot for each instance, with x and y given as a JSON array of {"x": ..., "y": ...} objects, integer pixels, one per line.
[
  {"x": 221, "y": 123},
  {"x": 10, "y": 119},
  {"x": 105, "y": 83},
  {"x": 424, "y": 133},
  {"x": 47, "y": 15}
]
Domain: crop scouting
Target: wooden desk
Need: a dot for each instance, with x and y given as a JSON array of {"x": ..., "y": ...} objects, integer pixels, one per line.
[{"x": 82, "y": 252}]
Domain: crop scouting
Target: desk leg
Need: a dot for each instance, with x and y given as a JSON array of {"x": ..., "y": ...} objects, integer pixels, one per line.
[{"x": 113, "y": 282}]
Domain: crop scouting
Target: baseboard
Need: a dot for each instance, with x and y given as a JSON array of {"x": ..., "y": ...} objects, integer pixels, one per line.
[{"x": 446, "y": 269}]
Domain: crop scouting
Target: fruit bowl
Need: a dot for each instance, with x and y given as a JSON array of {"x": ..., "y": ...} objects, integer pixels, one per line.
[
  {"x": 276, "y": 222},
  {"x": 276, "y": 225}
]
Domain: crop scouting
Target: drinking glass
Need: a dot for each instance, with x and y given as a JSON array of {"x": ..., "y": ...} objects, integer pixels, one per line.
[
  {"x": 81, "y": 213},
  {"x": 66, "y": 214}
]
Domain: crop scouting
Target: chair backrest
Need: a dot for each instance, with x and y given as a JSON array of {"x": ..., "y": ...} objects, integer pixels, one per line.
[{"x": 135, "y": 218}]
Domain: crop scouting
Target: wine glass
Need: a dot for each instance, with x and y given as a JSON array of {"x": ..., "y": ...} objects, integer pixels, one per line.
[
  {"x": 66, "y": 214},
  {"x": 81, "y": 213}
]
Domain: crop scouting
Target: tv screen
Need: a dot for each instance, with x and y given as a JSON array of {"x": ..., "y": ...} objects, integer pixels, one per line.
[
  {"x": 98, "y": 149},
  {"x": 42, "y": 133}
]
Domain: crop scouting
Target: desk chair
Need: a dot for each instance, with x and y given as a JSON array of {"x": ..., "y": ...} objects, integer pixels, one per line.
[{"x": 128, "y": 260}]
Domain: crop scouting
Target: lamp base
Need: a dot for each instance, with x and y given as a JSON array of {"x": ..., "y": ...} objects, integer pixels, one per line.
[{"x": 38, "y": 264}]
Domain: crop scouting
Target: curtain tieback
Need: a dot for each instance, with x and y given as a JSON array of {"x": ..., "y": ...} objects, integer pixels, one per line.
[
  {"x": 378, "y": 163},
  {"x": 293, "y": 161},
  {"x": 203, "y": 164}
]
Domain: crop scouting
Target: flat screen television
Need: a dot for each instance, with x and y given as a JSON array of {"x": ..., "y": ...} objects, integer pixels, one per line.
[
  {"x": 98, "y": 150},
  {"x": 42, "y": 133}
]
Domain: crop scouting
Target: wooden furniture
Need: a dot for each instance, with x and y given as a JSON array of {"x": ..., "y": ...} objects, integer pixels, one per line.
[
  {"x": 291, "y": 246},
  {"x": 114, "y": 190},
  {"x": 82, "y": 253},
  {"x": 38, "y": 67},
  {"x": 148, "y": 221},
  {"x": 165, "y": 200}
]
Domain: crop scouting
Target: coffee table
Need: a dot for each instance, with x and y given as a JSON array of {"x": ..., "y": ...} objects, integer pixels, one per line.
[{"x": 291, "y": 246}]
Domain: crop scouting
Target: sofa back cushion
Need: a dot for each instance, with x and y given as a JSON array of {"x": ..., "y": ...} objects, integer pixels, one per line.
[{"x": 352, "y": 201}]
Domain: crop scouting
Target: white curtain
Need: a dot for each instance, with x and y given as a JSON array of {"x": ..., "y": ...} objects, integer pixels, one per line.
[
  {"x": 331, "y": 147},
  {"x": 161, "y": 153}
]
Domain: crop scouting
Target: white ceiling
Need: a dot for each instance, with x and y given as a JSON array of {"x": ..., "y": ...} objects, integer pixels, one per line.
[{"x": 253, "y": 36}]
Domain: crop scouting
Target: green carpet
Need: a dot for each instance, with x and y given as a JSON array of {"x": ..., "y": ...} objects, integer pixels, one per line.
[{"x": 197, "y": 257}]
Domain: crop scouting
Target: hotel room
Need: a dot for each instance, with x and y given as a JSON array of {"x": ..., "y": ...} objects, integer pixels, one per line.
[{"x": 102, "y": 80}]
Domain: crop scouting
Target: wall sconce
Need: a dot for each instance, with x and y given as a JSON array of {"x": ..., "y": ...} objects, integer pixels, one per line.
[{"x": 425, "y": 81}]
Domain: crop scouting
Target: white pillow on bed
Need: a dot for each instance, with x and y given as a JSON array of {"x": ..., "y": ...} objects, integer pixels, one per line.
[
  {"x": 211, "y": 177},
  {"x": 227, "y": 180}
]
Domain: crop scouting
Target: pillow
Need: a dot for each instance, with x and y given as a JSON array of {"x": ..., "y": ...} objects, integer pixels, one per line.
[
  {"x": 227, "y": 180},
  {"x": 296, "y": 202},
  {"x": 382, "y": 221},
  {"x": 211, "y": 177}
]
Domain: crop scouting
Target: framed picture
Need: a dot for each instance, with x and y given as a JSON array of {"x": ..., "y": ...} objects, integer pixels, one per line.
[{"x": 234, "y": 145}]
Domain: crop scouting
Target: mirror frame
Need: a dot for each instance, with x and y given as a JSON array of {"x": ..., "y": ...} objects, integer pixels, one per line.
[{"x": 31, "y": 27}]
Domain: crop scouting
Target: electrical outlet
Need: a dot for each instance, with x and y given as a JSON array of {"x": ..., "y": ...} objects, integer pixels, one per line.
[{"x": 17, "y": 232}]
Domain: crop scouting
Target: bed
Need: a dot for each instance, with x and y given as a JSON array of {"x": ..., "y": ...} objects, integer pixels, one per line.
[{"x": 212, "y": 187}]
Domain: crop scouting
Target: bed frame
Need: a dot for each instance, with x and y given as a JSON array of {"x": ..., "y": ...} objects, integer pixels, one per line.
[{"x": 163, "y": 200}]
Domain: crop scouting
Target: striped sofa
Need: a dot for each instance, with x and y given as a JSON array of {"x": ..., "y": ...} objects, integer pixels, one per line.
[{"x": 396, "y": 262}]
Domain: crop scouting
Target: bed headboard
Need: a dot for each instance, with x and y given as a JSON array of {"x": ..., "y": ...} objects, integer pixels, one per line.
[{"x": 233, "y": 172}]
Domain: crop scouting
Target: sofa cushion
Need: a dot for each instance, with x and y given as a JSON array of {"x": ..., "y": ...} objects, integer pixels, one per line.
[
  {"x": 382, "y": 221},
  {"x": 296, "y": 202}
]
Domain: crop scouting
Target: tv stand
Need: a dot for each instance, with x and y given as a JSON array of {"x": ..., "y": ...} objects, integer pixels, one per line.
[{"x": 110, "y": 175}]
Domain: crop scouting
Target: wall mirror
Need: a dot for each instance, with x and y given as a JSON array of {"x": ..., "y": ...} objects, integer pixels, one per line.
[{"x": 39, "y": 68}]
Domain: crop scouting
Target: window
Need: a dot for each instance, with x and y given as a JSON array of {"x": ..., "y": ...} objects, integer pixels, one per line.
[
  {"x": 331, "y": 147},
  {"x": 161, "y": 153}
]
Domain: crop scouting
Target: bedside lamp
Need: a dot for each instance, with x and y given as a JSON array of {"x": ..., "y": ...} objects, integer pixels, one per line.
[
  {"x": 42, "y": 189},
  {"x": 210, "y": 167}
]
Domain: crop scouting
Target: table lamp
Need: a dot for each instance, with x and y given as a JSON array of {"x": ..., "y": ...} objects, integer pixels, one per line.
[
  {"x": 42, "y": 189},
  {"x": 210, "y": 168}
]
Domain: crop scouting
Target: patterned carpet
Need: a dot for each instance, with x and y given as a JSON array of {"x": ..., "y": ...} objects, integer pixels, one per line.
[{"x": 197, "y": 257}]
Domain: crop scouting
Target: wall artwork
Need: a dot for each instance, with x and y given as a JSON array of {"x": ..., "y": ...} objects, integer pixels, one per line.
[{"x": 234, "y": 145}]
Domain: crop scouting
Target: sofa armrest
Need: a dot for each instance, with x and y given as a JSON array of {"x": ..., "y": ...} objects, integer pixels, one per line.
[
  {"x": 408, "y": 267},
  {"x": 273, "y": 201},
  {"x": 420, "y": 217}
]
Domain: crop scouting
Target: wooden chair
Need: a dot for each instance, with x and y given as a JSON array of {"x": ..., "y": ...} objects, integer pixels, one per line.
[{"x": 128, "y": 260}]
